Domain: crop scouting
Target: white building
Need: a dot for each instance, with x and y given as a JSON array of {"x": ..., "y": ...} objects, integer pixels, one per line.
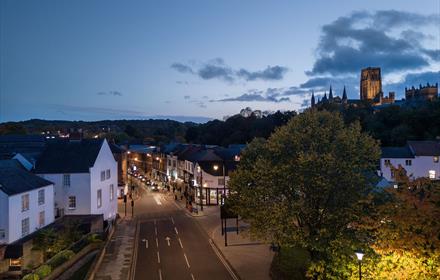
[
  {"x": 417, "y": 158},
  {"x": 84, "y": 173},
  {"x": 26, "y": 202}
]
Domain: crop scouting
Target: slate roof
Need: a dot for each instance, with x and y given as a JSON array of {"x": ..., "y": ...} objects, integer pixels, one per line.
[
  {"x": 64, "y": 156},
  {"x": 116, "y": 149},
  {"x": 208, "y": 167},
  {"x": 30, "y": 146},
  {"x": 14, "y": 179},
  {"x": 397, "y": 152},
  {"x": 425, "y": 148}
]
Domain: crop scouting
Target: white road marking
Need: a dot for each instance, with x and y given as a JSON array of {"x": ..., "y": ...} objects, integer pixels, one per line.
[
  {"x": 157, "y": 200},
  {"x": 220, "y": 257},
  {"x": 146, "y": 243},
  {"x": 168, "y": 240},
  {"x": 192, "y": 276},
  {"x": 180, "y": 242},
  {"x": 155, "y": 230},
  {"x": 160, "y": 274},
  {"x": 186, "y": 259},
  {"x": 172, "y": 220},
  {"x": 157, "y": 243},
  {"x": 158, "y": 257},
  {"x": 175, "y": 229}
]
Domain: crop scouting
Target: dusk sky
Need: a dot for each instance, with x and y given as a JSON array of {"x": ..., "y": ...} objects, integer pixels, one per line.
[{"x": 93, "y": 60}]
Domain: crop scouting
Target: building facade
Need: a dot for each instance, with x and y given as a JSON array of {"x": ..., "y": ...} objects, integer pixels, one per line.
[{"x": 371, "y": 83}]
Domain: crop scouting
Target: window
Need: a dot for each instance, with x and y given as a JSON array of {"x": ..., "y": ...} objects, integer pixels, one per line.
[
  {"x": 408, "y": 162},
  {"x": 102, "y": 175},
  {"x": 107, "y": 174},
  {"x": 431, "y": 174},
  {"x": 72, "y": 202},
  {"x": 2, "y": 234},
  {"x": 112, "y": 192},
  {"x": 387, "y": 162},
  {"x": 392, "y": 173},
  {"x": 169, "y": 162},
  {"x": 436, "y": 159},
  {"x": 66, "y": 180},
  {"x": 99, "y": 196},
  {"x": 41, "y": 197},
  {"x": 24, "y": 227},
  {"x": 221, "y": 181},
  {"x": 41, "y": 221},
  {"x": 24, "y": 202}
]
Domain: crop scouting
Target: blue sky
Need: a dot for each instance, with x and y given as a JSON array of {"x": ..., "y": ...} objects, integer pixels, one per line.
[{"x": 94, "y": 60}]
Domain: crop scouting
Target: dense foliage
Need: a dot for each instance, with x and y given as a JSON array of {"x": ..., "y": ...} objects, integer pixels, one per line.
[{"x": 305, "y": 186}]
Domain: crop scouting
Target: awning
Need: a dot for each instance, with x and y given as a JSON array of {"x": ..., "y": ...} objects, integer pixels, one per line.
[{"x": 14, "y": 251}]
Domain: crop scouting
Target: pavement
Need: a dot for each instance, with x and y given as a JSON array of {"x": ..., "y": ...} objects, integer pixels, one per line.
[{"x": 166, "y": 241}]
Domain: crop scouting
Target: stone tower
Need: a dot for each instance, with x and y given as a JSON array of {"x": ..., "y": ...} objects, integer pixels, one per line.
[{"x": 371, "y": 83}]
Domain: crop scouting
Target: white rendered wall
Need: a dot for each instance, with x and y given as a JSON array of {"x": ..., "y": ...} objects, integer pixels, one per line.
[{"x": 4, "y": 215}]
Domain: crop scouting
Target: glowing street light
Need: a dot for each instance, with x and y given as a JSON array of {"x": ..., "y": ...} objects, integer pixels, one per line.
[
  {"x": 216, "y": 167},
  {"x": 360, "y": 256}
]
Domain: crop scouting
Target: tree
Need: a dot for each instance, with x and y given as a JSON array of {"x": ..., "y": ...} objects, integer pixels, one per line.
[{"x": 306, "y": 185}]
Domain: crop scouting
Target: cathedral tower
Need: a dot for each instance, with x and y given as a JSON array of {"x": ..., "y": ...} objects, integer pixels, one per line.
[{"x": 371, "y": 83}]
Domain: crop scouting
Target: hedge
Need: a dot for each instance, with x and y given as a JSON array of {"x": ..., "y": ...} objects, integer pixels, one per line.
[{"x": 60, "y": 258}]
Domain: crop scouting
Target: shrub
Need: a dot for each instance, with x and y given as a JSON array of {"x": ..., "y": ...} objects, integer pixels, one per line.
[
  {"x": 31, "y": 276},
  {"x": 290, "y": 263},
  {"x": 60, "y": 258},
  {"x": 43, "y": 271}
]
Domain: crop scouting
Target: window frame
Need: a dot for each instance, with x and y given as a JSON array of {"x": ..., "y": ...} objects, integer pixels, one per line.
[
  {"x": 99, "y": 198},
  {"x": 25, "y": 202},
  {"x": 23, "y": 224},
  {"x": 66, "y": 180},
  {"x": 112, "y": 192},
  {"x": 42, "y": 217},
  {"x": 107, "y": 174},
  {"x": 408, "y": 162},
  {"x": 70, "y": 199},
  {"x": 41, "y": 198},
  {"x": 102, "y": 175}
]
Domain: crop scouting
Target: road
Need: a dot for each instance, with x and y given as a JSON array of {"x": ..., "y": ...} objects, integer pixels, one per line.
[{"x": 171, "y": 245}]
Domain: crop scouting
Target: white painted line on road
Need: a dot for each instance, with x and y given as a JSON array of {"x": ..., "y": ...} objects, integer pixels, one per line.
[
  {"x": 160, "y": 274},
  {"x": 220, "y": 257},
  {"x": 146, "y": 243},
  {"x": 175, "y": 229},
  {"x": 157, "y": 200},
  {"x": 155, "y": 230},
  {"x": 172, "y": 220},
  {"x": 186, "y": 259},
  {"x": 192, "y": 276},
  {"x": 180, "y": 242},
  {"x": 158, "y": 257},
  {"x": 157, "y": 243},
  {"x": 168, "y": 240}
]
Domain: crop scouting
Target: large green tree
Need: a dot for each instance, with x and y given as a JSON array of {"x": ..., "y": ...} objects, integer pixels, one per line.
[{"x": 306, "y": 185}]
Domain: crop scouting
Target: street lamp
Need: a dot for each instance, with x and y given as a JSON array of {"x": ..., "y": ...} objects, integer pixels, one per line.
[{"x": 359, "y": 256}]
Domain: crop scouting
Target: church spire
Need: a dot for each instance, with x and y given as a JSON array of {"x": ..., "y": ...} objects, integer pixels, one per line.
[
  {"x": 313, "y": 99},
  {"x": 344, "y": 94},
  {"x": 330, "y": 95}
]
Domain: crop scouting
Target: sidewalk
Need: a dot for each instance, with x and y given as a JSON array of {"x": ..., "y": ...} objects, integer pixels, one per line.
[
  {"x": 119, "y": 251},
  {"x": 250, "y": 259}
]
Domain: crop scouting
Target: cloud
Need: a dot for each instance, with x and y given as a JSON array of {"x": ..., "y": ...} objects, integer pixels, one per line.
[
  {"x": 182, "y": 82},
  {"x": 110, "y": 93},
  {"x": 270, "y": 73},
  {"x": 257, "y": 96},
  {"x": 368, "y": 39},
  {"x": 186, "y": 97},
  {"x": 182, "y": 68},
  {"x": 217, "y": 69}
]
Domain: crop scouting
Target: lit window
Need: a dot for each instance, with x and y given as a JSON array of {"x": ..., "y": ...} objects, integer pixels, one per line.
[
  {"x": 66, "y": 180},
  {"x": 41, "y": 220},
  {"x": 99, "y": 197},
  {"x": 24, "y": 227},
  {"x": 112, "y": 191},
  {"x": 41, "y": 197},
  {"x": 436, "y": 159},
  {"x": 431, "y": 174},
  {"x": 25, "y": 202},
  {"x": 72, "y": 202},
  {"x": 102, "y": 175},
  {"x": 107, "y": 174},
  {"x": 408, "y": 162}
]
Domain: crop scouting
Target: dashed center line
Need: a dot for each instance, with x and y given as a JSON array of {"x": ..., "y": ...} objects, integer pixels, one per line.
[
  {"x": 157, "y": 243},
  {"x": 186, "y": 259},
  {"x": 158, "y": 257},
  {"x": 192, "y": 276},
  {"x": 160, "y": 274},
  {"x": 155, "y": 230},
  {"x": 175, "y": 229},
  {"x": 180, "y": 242},
  {"x": 172, "y": 220}
]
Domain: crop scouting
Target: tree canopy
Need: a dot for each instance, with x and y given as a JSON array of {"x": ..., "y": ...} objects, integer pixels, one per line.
[{"x": 306, "y": 185}]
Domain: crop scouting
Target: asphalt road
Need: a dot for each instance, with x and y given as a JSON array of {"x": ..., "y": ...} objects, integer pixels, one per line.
[{"x": 171, "y": 245}]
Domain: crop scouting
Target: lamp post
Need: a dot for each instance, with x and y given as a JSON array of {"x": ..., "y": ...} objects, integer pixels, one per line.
[{"x": 359, "y": 256}]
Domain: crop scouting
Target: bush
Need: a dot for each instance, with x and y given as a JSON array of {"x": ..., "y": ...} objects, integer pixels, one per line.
[
  {"x": 290, "y": 263},
  {"x": 43, "y": 271},
  {"x": 31, "y": 276},
  {"x": 60, "y": 258}
]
